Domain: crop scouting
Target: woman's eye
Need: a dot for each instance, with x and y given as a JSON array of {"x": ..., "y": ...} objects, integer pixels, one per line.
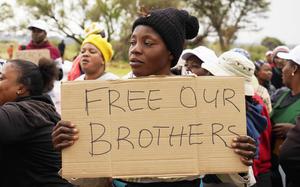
[
  {"x": 93, "y": 51},
  {"x": 148, "y": 43},
  {"x": 132, "y": 42}
]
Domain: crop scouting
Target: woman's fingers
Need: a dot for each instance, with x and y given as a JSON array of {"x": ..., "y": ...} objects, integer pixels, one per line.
[
  {"x": 246, "y": 148},
  {"x": 64, "y": 134}
]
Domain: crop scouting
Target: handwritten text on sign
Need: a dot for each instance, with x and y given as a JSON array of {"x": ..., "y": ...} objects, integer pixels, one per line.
[{"x": 170, "y": 126}]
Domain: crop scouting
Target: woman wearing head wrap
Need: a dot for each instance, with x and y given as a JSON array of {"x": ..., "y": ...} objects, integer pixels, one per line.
[
  {"x": 156, "y": 44},
  {"x": 94, "y": 54},
  {"x": 94, "y": 36}
]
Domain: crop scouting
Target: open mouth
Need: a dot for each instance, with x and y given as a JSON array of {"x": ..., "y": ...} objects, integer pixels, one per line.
[
  {"x": 84, "y": 61},
  {"x": 135, "y": 63}
]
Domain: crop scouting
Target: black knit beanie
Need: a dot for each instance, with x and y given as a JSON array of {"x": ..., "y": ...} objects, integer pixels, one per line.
[{"x": 173, "y": 25}]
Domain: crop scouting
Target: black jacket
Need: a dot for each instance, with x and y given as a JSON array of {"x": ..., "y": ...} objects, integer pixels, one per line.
[
  {"x": 290, "y": 156},
  {"x": 27, "y": 157}
]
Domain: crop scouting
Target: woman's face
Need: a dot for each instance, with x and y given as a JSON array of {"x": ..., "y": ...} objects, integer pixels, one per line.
[
  {"x": 193, "y": 64},
  {"x": 265, "y": 72},
  {"x": 287, "y": 72},
  {"x": 9, "y": 85},
  {"x": 279, "y": 62},
  {"x": 148, "y": 54},
  {"x": 92, "y": 62}
]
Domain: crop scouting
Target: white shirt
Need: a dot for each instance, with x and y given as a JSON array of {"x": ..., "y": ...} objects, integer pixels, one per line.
[{"x": 105, "y": 76}]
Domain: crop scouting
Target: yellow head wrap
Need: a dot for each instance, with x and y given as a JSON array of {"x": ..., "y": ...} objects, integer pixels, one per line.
[{"x": 102, "y": 44}]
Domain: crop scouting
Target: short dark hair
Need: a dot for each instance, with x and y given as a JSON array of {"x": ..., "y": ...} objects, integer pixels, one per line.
[{"x": 38, "y": 79}]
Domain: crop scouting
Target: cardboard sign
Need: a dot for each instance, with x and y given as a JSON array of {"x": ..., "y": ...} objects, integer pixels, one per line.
[
  {"x": 33, "y": 55},
  {"x": 154, "y": 127}
]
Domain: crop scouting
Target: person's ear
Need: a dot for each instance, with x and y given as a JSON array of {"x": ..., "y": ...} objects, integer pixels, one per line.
[
  {"x": 21, "y": 90},
  {"x": 295, "y": 69}
]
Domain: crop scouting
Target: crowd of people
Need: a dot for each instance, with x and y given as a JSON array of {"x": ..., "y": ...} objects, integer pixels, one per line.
[{"x": 33, "y": 134}]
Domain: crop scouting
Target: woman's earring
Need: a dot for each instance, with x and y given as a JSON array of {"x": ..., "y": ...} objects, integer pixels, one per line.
[
  {"x": 18, "y": 92},
  {"x": 293, "y": 74}
]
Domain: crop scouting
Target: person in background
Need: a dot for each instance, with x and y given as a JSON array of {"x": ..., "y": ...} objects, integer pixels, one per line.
[
  {"x": 76, "y": 69},
  {"x": 269, "y": 55},
  {"x": 263, "y": 73},
  {"x": 27, "y": 116},
  {"x": 286, "y": 106},
  {"x": 259, "y": 89},
  {"x": 39, "y": 30},
  {"x": 277, "y": 64},
  {"x": 61, "y": 48},
  {"x": 156, "y": 44},
  {"x": 242, "y": 51},
  {"x": 234, "y": 63},
  {"x": 289, "y": 157},
  {"x": 95, "y": 52},
  {"x": 10, "y": 51},
  {"x": 195, "y": 57}
]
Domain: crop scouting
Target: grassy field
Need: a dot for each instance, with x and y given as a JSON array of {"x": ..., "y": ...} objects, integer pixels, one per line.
[{"x": 118, "y": 68}]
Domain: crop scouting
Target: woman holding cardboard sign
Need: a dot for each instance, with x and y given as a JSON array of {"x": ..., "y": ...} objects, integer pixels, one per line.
[
  {"x": 155, "y": 46},
  {"x": 27, "y": 157}
]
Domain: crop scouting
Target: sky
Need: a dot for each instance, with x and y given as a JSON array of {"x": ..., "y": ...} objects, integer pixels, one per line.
[{"x": 282, "y": 22}]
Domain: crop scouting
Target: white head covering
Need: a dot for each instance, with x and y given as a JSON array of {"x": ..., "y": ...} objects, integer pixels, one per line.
[{"x": 234, "y": 64}]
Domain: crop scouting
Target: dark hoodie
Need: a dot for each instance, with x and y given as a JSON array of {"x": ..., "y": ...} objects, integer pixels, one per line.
[
  {"x": 27, "y": 157},
  {"x": 290, "y": 156}
]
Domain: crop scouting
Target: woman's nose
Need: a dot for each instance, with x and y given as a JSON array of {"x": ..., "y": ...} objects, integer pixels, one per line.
[
  {"x": 85, "y": 53},
  {"x": 135, "y": 48}
]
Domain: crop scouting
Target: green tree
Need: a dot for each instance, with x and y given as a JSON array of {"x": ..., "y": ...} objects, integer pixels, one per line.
[
  {"x": 6, "y": 17},
  {"x": 110, "y": 14},
  {"x": 257, "y": 52},
  {"x": 67, "y": 16},
  {"x": 271, "y": 42},
  {"x": 227, "y": 17},
  {"x": 71, "y": 17},
  {"x": 6, "y": 11}
]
